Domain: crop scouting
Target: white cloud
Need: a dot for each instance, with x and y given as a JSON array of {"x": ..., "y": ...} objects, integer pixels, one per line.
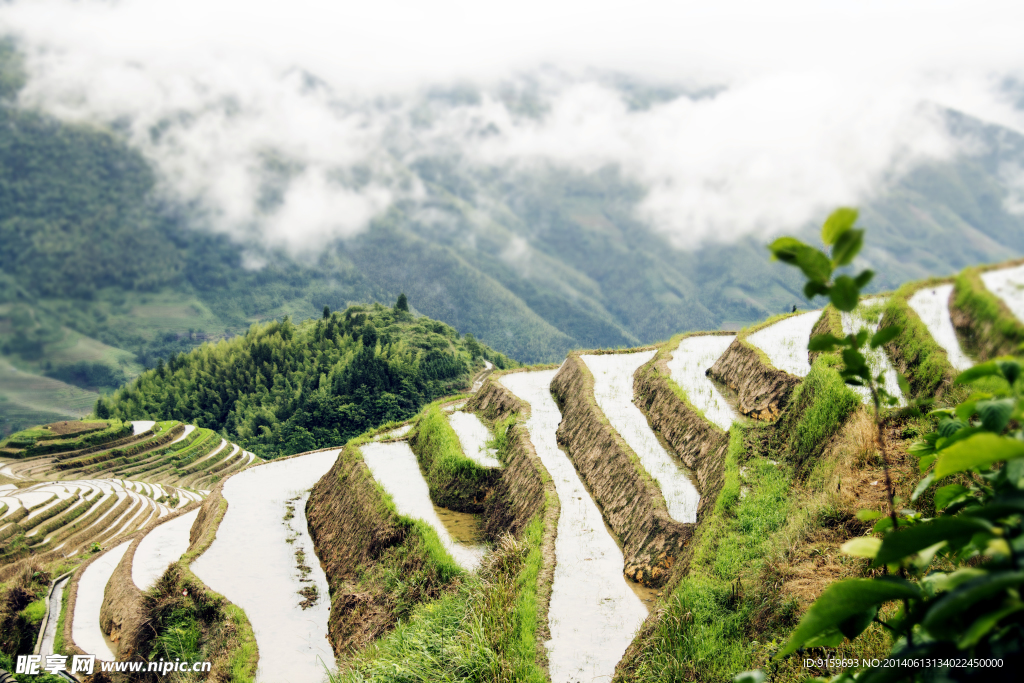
[{"x": 818, "y": 103}]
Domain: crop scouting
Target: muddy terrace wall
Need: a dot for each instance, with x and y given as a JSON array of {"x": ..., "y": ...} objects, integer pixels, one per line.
[
  {"x": 700, "y": 444},
  {"x": 629, "y": 499},
  {"x": 523, "y": 491},
  {"x": 519, "y": 493},
  {"x": 763, "y": 390},
  {"x": 122, "y": 614}
]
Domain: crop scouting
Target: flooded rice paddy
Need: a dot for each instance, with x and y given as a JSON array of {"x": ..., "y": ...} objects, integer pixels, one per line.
[
  {"x": 613, "y": 390},
  {"x": 85, "y": 628},
  {"x": 473, "y": 435},
  {"x": 1008, "y": 285},
  {"x": 161, "y": 546},
  {"x": 253, "y": 564},
  {"x": 394, "y": 467},
  {"x": 593, "y": 613},
  {"x": 785, "y": 342},
  {"x": 932, "y": 305},
  {"x": 688, "y": 365},
  {"x": 868, "y": 315}
]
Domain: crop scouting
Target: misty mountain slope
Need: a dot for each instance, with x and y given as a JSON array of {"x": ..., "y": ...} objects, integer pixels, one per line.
[{"x": 532, "y": 257}]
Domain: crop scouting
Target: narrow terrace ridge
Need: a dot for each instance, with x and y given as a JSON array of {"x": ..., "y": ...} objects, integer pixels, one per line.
[
  {"x": 613, "y": 391},
  {"x": 253, "y": 564},
  {"x": 394, "y": 466},
  {"x": 593, "y": 612},
  {"x": 932, "y": 305}
]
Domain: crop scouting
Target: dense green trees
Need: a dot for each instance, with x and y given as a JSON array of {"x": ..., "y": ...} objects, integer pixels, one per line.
[{"x": 284, "y": 388}]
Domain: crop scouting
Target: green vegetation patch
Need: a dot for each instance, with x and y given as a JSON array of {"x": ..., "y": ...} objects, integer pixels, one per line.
[
  {"x": 455, "y": 480},
  {"x": 990, "y": 328},
  {"x": 283, "y": 389},
  {"x": 484, "y": 630},
  {"x": 820, "y": 406},
  {"x": 914, "y": 352}
]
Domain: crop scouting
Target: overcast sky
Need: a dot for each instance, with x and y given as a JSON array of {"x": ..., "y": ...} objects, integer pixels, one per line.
[{"x": 817, "y": 104}]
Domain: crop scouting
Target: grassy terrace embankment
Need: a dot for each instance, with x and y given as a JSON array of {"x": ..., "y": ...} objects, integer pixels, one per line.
[
  {"x": 180, "y": 617},
  {"x": 455, "y": 481},
  {"x": 388, "y": 572},
  {"x": 914, "y": 352},
  {"x": 762, "y": 390},
  {"x": 768, "y": 543},
  {"x": 985, "y": 325},
  {"x": 630, "y": 500}
]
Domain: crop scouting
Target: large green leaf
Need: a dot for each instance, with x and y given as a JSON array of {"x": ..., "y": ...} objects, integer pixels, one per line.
[
  {"x": 847, "y": 247},
  {"x": 815, "y": 265},
  {"x": 842, "y": 601},
  {"x": 844, "y": 293},
  {"x": 824, "y": 342},
  {"x": 977, "y": 372},
  {"x": 785, "y": 249},
  {"x": 955, "y": 530},
  {"x": 995, "y": 414},
  {"x": 986, "y": 622},
  {"x": 943, "y": 618},
  {"x": 884, "y": 335},
  {"x": 841, "y": 220},
  {"x": 947, "y": 494},
  {"x": 979, "y": 450}
]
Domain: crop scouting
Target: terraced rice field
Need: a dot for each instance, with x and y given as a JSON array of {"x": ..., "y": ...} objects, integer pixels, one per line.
[
  {"x": 689, "y": 362},
  {"x": 593, "y": 613},
  {"x": 85, "y": 627},
  {"x": 613, "y": 390},
  {"x": 69, "y": 516},
  {"x": 1008, "y": 285},
  {"x": 473, "y": 436},
  {"x": 785, "y": 342},
  {"x": 254, "y": 565},
  {"x": 864, "y": 316},
  {"x": 394, "y": 467},
  {"x": 161, "y": 546},
  {"x": 932, "y": 305}
]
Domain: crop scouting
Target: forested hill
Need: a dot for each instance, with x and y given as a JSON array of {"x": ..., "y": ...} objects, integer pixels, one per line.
[{"x": 284, "y": 388}]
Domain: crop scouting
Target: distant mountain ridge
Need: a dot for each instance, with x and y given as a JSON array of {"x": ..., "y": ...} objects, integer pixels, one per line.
[{"x": 534, "y": 262}]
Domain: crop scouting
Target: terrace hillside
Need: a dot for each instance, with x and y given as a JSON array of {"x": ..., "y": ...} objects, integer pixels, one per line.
[{"x": 661, "y": 513}]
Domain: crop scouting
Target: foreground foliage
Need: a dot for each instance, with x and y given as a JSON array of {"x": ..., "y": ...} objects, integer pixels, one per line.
[{"x": 955, "y": 577}]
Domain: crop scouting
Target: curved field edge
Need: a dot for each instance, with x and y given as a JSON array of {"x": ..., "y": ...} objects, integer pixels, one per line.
[
  {"x": 489, "y": 625},
  {"x": 983, "y": 322},
  {"x": 914, "y": 352},
  {"x": 762, "y": 390},
  {"x": 627, "y": 495},
  {"x": 769, "y": 544},
  {"x": 455, "y": 480},
  {"x": 698, "y": 442},
  {"x": 180, "y": 616}
]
